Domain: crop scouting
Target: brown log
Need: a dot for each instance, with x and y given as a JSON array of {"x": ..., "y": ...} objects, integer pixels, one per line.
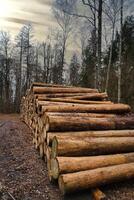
[
  {"x": 77, "y": 101},
  {"x": 91, "y": 146},
  {"x": 58, "y": 123},
  {"x": 71, "y": 95},
  {"x": 108, "y": 133},
  {"x": 112, "y": 109},
  {"x": 49, "y": 103},
  {"x": 95, "y": 115},
  {"x": 93, "y": 178},
  {"x": 45, "y": 90},
  {"x": 97, "y": 194},
  {"x": 37, "y": 84},
  {"x": 64, "y": 165},
  {"x": 92, "y": 96}
]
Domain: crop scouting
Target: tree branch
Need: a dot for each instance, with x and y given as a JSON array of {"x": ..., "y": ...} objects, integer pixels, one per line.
[{"x": 79, "y": 15}]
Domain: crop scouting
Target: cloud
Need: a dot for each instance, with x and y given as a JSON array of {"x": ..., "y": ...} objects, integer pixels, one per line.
[{"x": 22, "y": 21}]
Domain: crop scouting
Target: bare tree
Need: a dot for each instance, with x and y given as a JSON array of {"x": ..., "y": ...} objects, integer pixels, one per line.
[
  {"x": 112, "y": 8},
  {"x": 120, "y": 51},
  {"x": 6, "y": 52},
  {"x": 18, "y": 55},
  {"x": 27, "y": 32},
  {"x": 65, "y": 22}
]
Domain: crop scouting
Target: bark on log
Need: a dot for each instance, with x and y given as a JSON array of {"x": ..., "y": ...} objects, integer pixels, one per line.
[
  {"x": 91, "y": 146},
  {"x": 112, "y": 109},
  {"x": 92, "y": 96},
  {"x": 95, "y": 96},
  {"x": 37, "y": 84},
  {"x": 64, "y": 95},
  {"x": 68, "y": 135},
  {"x": 64, "y": 165},
  {"x": 45, "y": 90},
  {"x": 76, "y": 101},
  {"x": 57, "y": 123},
  {"x": 93, "y": 178},
  {"x": 95, "y": 115}
]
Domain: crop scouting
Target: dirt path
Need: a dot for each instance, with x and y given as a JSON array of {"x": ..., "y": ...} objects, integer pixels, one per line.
[
  {"x": 21, "y": 170},
  {"x": 24, "y": 174}
]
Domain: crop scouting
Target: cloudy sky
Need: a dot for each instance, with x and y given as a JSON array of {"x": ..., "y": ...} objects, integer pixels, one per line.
[{"x": 15, "y": 13}]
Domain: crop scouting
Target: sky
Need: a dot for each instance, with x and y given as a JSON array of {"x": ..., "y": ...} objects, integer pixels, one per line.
[{"x": 15, "y": 13}]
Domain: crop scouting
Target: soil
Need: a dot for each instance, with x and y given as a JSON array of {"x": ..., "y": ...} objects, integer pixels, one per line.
[{"x": 23, "y": 174}]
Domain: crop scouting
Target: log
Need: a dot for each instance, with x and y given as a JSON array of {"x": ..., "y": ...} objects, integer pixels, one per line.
[
  {"x": 50, "y": 103},
  {"x": 37, "y": 84},
  {"x": 77, "y": 101},
  {"x": 93, "y": 178},
  {"x": 92, "y": 96},
  {"x": 111, "y": 109},
  {"x": 108, "y": 133},
  {"x": 91, "y": 146},
  {"x": 97, "y": 194},
  {"x": 95, "y": 115},
  {"x": 64, "y": 165},
  {"x": 45, "y": 90},
  {"x": 58, "y": 123}
]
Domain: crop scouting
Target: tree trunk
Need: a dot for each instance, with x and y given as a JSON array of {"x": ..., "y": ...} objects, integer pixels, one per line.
[
  {"x": 92, "y": 178},
  {"x": 120, "y": 53},
  {"x": 110, "y": 58},
  {"x": 99, "y": 43}
]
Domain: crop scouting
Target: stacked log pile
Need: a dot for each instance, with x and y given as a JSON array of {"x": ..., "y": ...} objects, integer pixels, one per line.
[{"x": 86, "y": 140}]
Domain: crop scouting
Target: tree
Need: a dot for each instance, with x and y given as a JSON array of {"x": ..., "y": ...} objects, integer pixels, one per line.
[
  {"x": 6, "y": 52},
  {"x": 120, "y": 52},
  {"x": 74, "y": 70},
  {"x": 87, "y": 73},
  {"x": 65, "y": 22},
  {"x": 19, "y": 51},
  {"x": 27, "y": 32},
  {"x": 111, "y": 10}
]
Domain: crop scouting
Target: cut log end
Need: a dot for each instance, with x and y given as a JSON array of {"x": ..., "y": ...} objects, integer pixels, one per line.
[
  {"x": 62, "y": 185},
  {"x": 54, "y": 168}
]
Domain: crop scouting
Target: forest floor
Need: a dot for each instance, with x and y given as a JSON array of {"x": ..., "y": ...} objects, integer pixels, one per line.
[{"x": 23, "y": 175}]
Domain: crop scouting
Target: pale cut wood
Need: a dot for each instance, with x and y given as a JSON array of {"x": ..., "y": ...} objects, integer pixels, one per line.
[
  {"x": 108, "y": 133},
  {"x": 64, "y": 165},
  {"x": 93, "y": 178},
  {"x": 91, "y": 146},
  {"x": 112, "y": 109},
  {"x": 41, "y": 150}
]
